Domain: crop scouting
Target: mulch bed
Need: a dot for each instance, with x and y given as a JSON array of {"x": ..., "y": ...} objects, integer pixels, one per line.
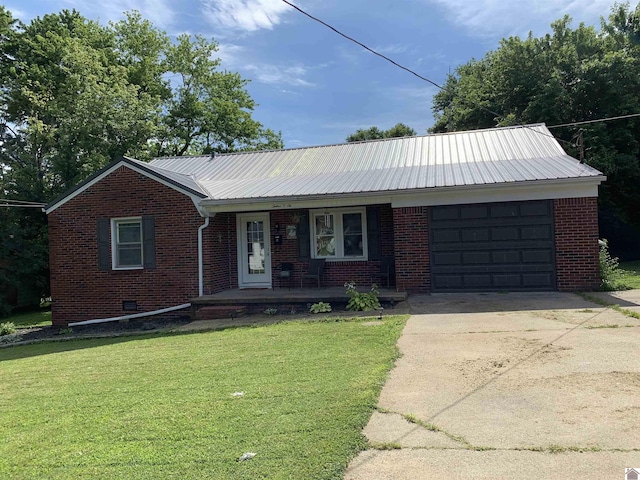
[{"x": 108, "y": 329}]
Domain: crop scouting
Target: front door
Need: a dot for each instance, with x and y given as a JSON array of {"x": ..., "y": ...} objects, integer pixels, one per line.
[{"x": 254, "y": 251}]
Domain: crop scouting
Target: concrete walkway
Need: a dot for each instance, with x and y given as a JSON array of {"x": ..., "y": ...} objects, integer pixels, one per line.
[{"x": 506, "y": 386}]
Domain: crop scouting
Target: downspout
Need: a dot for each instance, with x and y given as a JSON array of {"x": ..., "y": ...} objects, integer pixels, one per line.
[{"x": 201, "y": 256}]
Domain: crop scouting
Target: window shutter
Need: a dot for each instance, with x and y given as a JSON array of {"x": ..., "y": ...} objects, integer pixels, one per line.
[
  {"x": 148, "y": 241},
  {"x": 373, "y": 233},
  {"x": 104, "y": 243},
  {"x": 304, "y": 239}
]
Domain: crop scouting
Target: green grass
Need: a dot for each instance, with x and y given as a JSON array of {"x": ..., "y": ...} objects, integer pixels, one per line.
[
  {"x": 38, "y": 318},
  {"x": 157, "y": 406},
  {"x": 631, "y": 277}
]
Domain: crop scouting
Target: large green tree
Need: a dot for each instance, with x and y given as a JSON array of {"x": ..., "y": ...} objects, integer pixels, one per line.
[
  {"x": 75, "y": 94},
  {"x": 569, "y": 75},
  {"x": 374, "y": 133}
]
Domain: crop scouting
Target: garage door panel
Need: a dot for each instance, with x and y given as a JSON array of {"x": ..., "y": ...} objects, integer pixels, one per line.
[
  {"x": 504, "y": 234},
  {"x": 499, "y": 246},
  {"x": 541, "y": 232}
]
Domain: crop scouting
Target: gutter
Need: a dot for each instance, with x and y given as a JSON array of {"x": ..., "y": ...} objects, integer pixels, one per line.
[
  {"x": 128, "y": 317},
  {"x": 201, "y": 256}
]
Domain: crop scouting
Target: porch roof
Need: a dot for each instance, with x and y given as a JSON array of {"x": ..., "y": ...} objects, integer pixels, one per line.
[{"x": 496, "y": 156}]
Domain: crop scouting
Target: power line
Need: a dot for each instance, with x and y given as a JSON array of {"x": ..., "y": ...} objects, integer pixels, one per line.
[
  {"x": 362, "y": 45},
  {"x": 631, "y": 115}
]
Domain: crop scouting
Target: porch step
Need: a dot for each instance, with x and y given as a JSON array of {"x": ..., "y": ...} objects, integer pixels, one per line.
[{"x": 214, "y": 312}]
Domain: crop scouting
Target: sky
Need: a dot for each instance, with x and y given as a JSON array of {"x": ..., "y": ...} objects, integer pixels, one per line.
[{"x": 316, "y": 87}]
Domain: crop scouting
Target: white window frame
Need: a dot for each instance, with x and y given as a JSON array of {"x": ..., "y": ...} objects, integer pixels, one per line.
[
  {"x": 339, "y": 233},
  {"x": 115, "y": 243}
]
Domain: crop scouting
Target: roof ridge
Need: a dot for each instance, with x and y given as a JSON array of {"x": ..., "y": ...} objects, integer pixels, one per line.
[{"x": 377, "y": 140}]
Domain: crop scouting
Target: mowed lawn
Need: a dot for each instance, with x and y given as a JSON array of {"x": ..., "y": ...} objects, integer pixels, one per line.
[{"x": 163, "y": 406}]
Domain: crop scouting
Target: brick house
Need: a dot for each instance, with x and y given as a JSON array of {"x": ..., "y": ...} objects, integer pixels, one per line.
[{"x": 488, "y": 210}]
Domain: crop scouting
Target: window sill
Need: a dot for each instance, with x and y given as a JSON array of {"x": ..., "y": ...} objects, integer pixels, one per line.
[
  {"x": 126, "y": 268},
  {"x": 342, "y": 259}
]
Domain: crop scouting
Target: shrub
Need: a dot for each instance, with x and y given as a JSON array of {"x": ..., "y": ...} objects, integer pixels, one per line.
[
  {"x": 611, "y": 275},
  {"x": 7, "y": 328},
  {"x": 270, "y": 311},
  {"x": 320, "y": 307},
  {"x": 362, "y": 301}
]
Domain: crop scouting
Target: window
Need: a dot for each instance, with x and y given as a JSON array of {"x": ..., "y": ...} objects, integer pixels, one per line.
[
  {"x": 127, "y": 243},
  {"x": 339, "y": 234}
]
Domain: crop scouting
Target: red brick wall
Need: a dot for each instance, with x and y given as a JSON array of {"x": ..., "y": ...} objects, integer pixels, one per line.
[
  {"x": 576, "y": 235},
  {"x": 412, "y": 249},
  {"x": 219, "y": 242},
  {"x": 80, "y": 291}
]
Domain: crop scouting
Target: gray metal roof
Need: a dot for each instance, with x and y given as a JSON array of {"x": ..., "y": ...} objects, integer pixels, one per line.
[
  {"x": 186, "y": 180},
  {"x": 480, "y": 157}
]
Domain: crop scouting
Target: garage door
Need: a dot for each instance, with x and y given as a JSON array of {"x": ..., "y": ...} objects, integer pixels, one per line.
[{"x": 492, "y": 247}]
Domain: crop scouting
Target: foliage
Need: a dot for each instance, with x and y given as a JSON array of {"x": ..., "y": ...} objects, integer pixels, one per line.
[
  {"x": 320, "y": 307},
  {"x": 374, "y": 133},
  {"x": 270, "y": 311},
  {"x": 309, "y": 390},
  {"x": 75, "y": 95},
  {"x": 362, "y": 301},
  {"x": 6, "y": 328},
  {"x": 31, "y": 319},
  {"x": 631, "y": 276},
  {"x": 611, "y": 275},
  {"x": 569, "y": 75}
]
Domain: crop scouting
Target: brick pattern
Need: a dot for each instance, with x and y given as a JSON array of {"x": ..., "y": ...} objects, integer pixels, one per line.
[
  {"x": 80, "y": 291},
  {"x": 576, "y": 236},
  {"x": 411, "y": 230}
]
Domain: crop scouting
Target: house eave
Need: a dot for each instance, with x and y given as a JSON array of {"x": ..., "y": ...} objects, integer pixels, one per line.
[{"x": 431, "y": 196}]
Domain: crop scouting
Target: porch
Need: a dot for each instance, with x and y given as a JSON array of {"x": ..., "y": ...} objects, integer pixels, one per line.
[{"x": 236, "y": 302}]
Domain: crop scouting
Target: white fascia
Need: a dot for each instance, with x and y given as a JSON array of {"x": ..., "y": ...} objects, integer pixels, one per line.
[{"x": 454, "y": 195}]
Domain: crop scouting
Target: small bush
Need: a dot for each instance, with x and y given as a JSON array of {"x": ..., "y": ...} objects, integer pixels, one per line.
[
  {"x": 611, "y": 275},
  {"x": 320, "y": 307},
  {"x": 362, "y": 301},
  {"x": 270, "y": 311},
  {"x": 7, "y": 328}
]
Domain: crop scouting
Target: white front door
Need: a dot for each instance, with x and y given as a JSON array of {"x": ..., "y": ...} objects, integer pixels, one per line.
[{"x": 254, "y": 251}]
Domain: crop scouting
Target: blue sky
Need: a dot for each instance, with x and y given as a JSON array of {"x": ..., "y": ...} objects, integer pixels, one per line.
[{"x": 315, "y": 86}]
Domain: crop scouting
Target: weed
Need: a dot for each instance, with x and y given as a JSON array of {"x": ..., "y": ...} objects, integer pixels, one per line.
[
  {"x": 386, "y": 446},
  {"x": 270, "y": 311},
  {"x": 611, "y": 275},
  {"x": 7, "y": 328}
]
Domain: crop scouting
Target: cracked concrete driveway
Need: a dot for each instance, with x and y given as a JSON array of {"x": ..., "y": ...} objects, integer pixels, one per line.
[{"x": 503, "y": 386}]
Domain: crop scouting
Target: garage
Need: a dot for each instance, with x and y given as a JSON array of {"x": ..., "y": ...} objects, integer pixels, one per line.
[{"x": 492, "y": 247}]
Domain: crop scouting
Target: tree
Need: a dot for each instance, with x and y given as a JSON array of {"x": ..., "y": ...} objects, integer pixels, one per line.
[
  {"x": 569, "y": 75},
  {"x": 75, "y": 95},
  {"x": 374, "y": 133}
]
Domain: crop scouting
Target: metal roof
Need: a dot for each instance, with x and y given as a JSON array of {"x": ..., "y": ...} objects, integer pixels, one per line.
[{"x": 481, "y": 157}]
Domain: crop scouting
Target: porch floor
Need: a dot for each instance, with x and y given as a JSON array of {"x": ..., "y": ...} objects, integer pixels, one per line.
[{"x": 259, "y": 299}]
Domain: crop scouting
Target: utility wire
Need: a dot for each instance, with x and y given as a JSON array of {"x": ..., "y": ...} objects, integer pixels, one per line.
[{"x": 631, "y": 115}]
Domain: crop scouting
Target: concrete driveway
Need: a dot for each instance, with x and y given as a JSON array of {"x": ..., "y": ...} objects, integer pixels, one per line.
[{"x": 507, "y": 386}]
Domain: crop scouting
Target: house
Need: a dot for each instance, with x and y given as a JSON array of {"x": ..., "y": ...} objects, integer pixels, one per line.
[{"x": 501, "y": 209}]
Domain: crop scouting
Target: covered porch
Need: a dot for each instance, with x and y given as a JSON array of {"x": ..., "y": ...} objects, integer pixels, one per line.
[{"x": 236, "y": 302}]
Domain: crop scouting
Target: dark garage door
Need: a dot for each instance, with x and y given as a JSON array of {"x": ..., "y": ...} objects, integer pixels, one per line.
[{"x": 492, "y": 247}]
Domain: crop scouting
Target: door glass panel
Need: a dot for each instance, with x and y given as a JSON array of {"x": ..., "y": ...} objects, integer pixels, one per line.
[{"x": 255, "y": 247}]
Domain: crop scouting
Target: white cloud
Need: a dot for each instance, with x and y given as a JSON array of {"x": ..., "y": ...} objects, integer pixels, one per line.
[
  {"x": 245, "y": 15},
  {"x": 391, "y": 49},
  {"x": 500, "y": 18},
  {"x": 157, "y": 12},
  {"x": 279, "y": 75},
  {"x": 17, "y": 13}
]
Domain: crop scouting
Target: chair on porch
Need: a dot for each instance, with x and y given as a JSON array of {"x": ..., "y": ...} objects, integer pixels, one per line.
[
  {"x": 316, "y": 270},
  {"x": 387, "y": 270},
  {"x": 285, "y": 274}
]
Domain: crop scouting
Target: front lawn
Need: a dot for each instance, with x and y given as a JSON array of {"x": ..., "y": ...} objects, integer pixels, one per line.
[
  {"x": 39, "y": 318},
  {"x": 631, "y": 277},
  {"x": 296, "y": 394}
]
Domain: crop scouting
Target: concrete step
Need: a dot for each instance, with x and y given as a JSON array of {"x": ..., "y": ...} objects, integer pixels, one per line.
[{"x": 213, "y": 312}]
